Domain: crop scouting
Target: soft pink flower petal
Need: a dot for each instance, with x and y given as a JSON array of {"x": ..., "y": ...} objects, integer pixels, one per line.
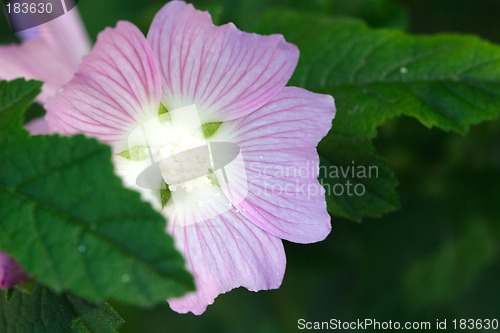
[
  {"x": 37, "y": 126},
  {"x": 51, "y": 53},
  {"x": 224, "y": 253},
  {"x": 117, "y": 87},
  {"x": 278, "y": 143},
  {"x": 225, "y": 72},
  {"x": 11, "y": 273},
  {"x": 66, "y": 34}
]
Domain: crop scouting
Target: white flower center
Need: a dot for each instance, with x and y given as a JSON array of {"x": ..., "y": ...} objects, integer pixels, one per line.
[
  {"x": 185, "y": 160},
  {"x": 172, "y": 165}
]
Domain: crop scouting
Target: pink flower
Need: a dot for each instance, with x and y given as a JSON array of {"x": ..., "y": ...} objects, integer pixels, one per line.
[
  {"x": 11, "y": 273},
  {"x": 150, "y": 98},
  {"x": 50, "y": 53}
]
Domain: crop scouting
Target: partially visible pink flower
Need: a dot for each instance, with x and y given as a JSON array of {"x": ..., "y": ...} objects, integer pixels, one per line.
[
  {"x": 11, "y": 273},
  {"x": 233, "y": 79},
  {"x": 50, "y": 53}
]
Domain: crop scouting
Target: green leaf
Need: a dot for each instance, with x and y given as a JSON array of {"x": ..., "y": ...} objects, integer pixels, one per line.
[
  {"x": 44, "y": 311},
  {"x": 246, "y": 14},
  {"x": 69, "y": 221},
  {"x": 16, "y": 96},
  {"x": 447, "y": 81},
  {"x": 357, "y": 181}
]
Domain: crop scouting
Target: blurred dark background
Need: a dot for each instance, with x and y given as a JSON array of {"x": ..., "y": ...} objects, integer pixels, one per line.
[{"x": 437, "y": 257}]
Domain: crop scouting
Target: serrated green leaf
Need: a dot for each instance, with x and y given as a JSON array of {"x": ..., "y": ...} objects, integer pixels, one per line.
[
  {"x": 16, "y": 96},
  {"x": 44, "y": 311},
  {"x": 447, "y": 81},
  {"x": 69, "y": 221}
]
